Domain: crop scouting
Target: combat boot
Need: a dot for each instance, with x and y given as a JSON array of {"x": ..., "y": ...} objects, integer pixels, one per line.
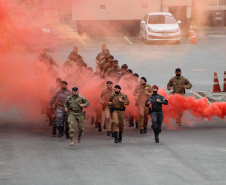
[
  {"x": 67, "y": 133},
  {"x": 145, "y": 130},
  {"x": 131, "y": 122},
  {"x": 136, "y": 124},
  {"x": 60, "y": 132},
  {"x": 113, "y": 134},
  {"x": 156, "y": 138},
  {"x": 96, "y": 124},
  {"x": 116, "y": 137},
  {"x": 72, "y": 141},
  {"x": 50, "y": 122},
  {"x": 108, "y": 133},
  {"x": 141, "y": 131},
  {"x": 92, "y": 120},
  {"x": 79, "y": 138},
  {"x": 120, "y": 137},
  {"x": 54, "y": 130},
  {"x": 99, "y": 127}
]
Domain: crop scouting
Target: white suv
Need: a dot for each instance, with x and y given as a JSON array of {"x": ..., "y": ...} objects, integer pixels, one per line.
[{"x": 160, "y": 26}]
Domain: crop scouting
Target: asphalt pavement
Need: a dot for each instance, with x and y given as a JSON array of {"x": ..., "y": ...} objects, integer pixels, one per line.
[{"x": 192, "y": 154}]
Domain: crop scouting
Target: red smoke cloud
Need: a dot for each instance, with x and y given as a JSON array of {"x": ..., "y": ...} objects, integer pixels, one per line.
[
  {"x": 24, "y": 81},
  {"x": 198, "y": 108}
]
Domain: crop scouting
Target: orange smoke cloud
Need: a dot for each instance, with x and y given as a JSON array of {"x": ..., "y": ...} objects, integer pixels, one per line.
[
  {"x": 198, "y": 108},
  {"x": 24, "y": 81}
]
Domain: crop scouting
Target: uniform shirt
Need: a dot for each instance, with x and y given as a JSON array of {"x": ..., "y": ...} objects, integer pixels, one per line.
[
  {"x": 177, "y": 83},
  {"x": 156, "y": 106},
  {"x": 106, "y": 94},
  {"x": 113, "y": 72},
  {"x": 99, "y": 55},
  {"x": 115, "y": 100},
  {"x": 49, "y": 59},
  {"x": 73, "y": 56},
  {"x": 107, "y": 67},
  {"x": 73, "y": 102},
  {"x": 121, "y": 74},
  {"x": 61, "y": 95},
  {"x": 141, "y": 89},
  {"x": 102, "y": 64}
]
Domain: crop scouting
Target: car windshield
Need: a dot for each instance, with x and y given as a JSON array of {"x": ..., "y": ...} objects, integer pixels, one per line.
[{"x": 161, "y": 19}]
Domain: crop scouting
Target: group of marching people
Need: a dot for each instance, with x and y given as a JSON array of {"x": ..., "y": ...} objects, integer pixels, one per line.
[{"x": 115, "y": 91}]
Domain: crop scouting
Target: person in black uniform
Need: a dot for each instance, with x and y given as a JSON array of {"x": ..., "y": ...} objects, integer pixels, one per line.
[{"x": 156, "y": 101}]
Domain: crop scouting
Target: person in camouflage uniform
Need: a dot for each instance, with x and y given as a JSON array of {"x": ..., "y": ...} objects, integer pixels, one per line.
[
  {"x": 74, "y": 104},
  {"x": 99, "y": 55},
  {"x": 108, "y": 65},
  {"x": 74, "y": 54},
  {"x": 51, "y": 112},
  {"x": 70, "y": 65},
  {"x": 117, "y": 103},
  {"x": 47, "y": 59},
  {"x": 113, "y": 72},
  {"x": 142, "y": 92},
  {"x": 104, "y": 98},
  {"x": 104, "y": 60},
  {"x": 179, "y": 84},
  {"x": 62, "y": 116}
]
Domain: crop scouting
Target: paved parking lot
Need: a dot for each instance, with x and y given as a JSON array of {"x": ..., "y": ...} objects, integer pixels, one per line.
[{"x": 191, "y": 154}]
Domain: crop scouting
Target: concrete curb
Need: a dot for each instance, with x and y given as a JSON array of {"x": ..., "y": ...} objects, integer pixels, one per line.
[{"x": 214, "y": 97}]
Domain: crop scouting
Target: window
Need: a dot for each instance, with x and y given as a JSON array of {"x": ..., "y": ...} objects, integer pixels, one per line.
[{"x": 161, "y": 19}]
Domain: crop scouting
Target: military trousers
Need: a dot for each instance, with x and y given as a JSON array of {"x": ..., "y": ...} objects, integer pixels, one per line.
[
  {"x": 99, "y": 113},
  {"x": 143, "y": 116},
  {"x": 61, "y": 118},
  {"x": 72, "y": 119},
  {"x": 157, "y": 118},
  {"x": 107, "y": 119},
  {"x": 118, "y": 120}
]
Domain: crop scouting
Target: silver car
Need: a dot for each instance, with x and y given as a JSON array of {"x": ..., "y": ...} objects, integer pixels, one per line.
[{"x": 160, "y": 26}]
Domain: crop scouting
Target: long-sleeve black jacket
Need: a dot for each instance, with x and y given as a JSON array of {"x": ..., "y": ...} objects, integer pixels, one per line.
[{"x": 156, "y": 106}]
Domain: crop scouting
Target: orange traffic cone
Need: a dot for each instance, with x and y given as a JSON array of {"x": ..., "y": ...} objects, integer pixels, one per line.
[
  {"x": 216, "y": 86},
  {"x": 191, "y": 30},
  {"x": 193, "y": 38},
  {"x": 224, "y": 85}
]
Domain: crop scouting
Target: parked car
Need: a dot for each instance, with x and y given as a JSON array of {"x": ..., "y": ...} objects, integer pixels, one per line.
[{"x": 160, "y": 26}]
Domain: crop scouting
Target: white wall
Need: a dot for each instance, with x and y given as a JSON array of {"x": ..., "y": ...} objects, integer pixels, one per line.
[{"x": 115, "y": 9}]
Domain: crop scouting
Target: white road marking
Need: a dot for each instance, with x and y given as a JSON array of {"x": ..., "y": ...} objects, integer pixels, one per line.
[
  {"x": 199, "y": 96},
  {"x": 80, "y": 39},
  {"x": 126, "y": 38},
  {"x": 217, "y": 36},
  {"x": 198, "y": 70}
]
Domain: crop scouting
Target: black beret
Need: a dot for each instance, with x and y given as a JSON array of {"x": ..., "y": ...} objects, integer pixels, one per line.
[
  {"x": 109, "y": 82},
  {"x": 59, "y": 80},
  {"x": 144, "y": 79},
  {"x": 64, "y": 82},
  {"x": 118, "y": 87},
  {"x": 177, "y": 70},
  {"x": 75, "y": 89}
]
